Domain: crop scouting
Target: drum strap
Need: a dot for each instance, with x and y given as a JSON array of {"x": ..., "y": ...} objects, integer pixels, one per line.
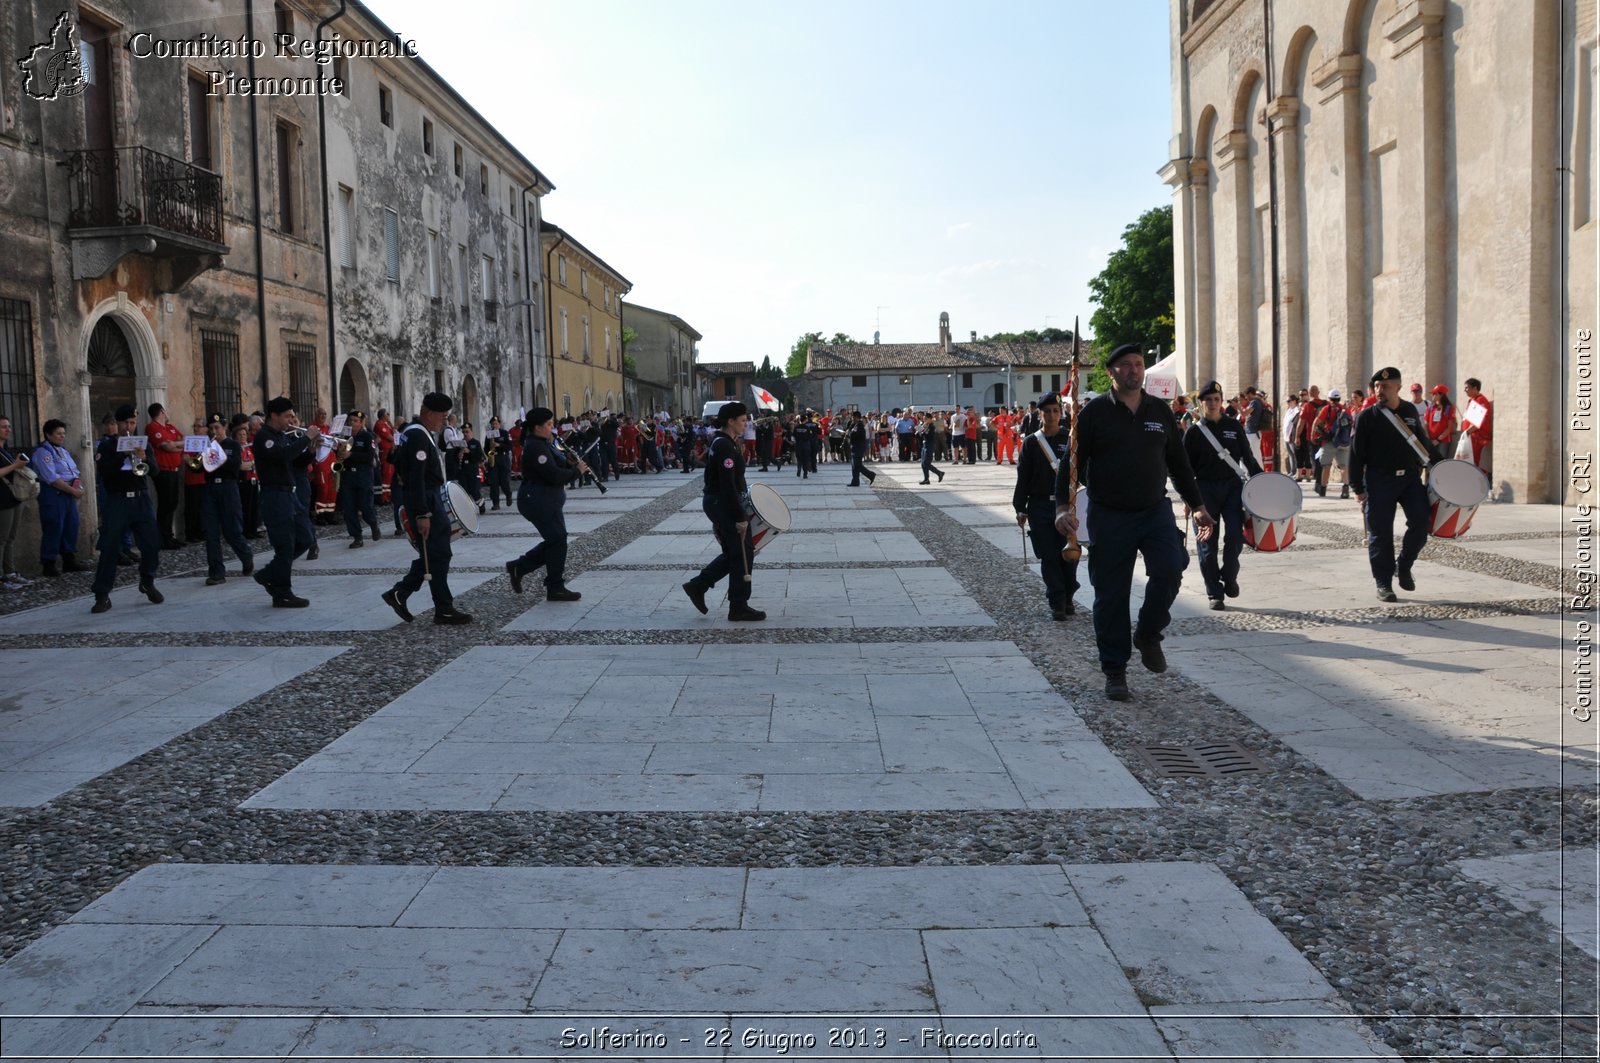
[
  {"x": 1221, "y": 453},
  {"x": 1409, "y": 436},
  {"x": 1049, "y": 451}
]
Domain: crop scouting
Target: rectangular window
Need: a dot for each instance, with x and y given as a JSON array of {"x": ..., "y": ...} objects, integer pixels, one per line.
[
  {"x": 385, "y": 105},
  {"x": 219, "y": 371},
  {"x": 491, "y": 300},
  {"x": 561, "y": 270},
  {"x": 303, "y": 379},
  {"x": 608, "y": 346},
  {"x": 427, "y": 138},
  {"x": 1038, "y": 383},
  {"x": 398, "y": 379},
  {"x": 347, "y": 227},
  {"x": 608, "y": 297},
  {"x": 283, "y": 17},
  {"x": 586, "y": 356},
  {"x": 17, "y": 387},
  {"x": 286, "y": 177},
  {"x": 200, "y": 124},
  {"x": 458, "y": 160},
  {"x": 433, "y": 264},
  {"x": 858, "y": 381},
  {"x": 391, "y": 245},
  {"x": 566, "y": 347},
  {"x": 583, "y": 282},
  {"x": 730, "y": 387},
  {"x": 966, "y": 380},
  {"x": 483, "y": 178},
  {"x": 1055, "y": 382},
  {"x": 438, "y": 381},
  {"x": 341, "y": 71},
  {"x": 461, "y": 277},
  {"x": 511, "y": 200}
]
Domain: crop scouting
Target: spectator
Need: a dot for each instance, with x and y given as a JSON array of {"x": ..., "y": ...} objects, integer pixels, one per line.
[
  {"x": 1478, "y": 421},
  {"x": 1439, "y": 417},
  {"x": 60, "y": 488},
  {"x": 1333, "y": 433},
  {"x": 10, "y": 508}
]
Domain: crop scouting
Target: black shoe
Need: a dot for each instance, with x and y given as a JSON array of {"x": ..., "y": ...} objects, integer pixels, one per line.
[
  {"x": 376, "y": 534},
  {"x": 744, "y": 612},
  {"x": 261, "y": 578},
  {"x": 940, "y": 475},
  {"x": 1217, "y": 604},
  {"x": 1231, "y": 588},
  {"x": 1058, "y": 613},
  {"x": 49, "y": 569},
  {"x": 497, "y": 507},
  {"x": 216, "y": 581},
  {"x": 249, "y": 567},
  {"x": 923, "y": 482},
  {"x": 289, "y": 601},
  {"x": 1344, "y": 492},
  {"x": 1117, "y": 686},
  {"x": 1403, "y": 577},
  {"x": 101, "y": 605},
  {"x": 172, "y": 544},
  {"x": 450, "y": 617},
  {"x": 853, "y": 483},
  {"x": 313, "y": 553},
  {"x": 1386, "y": 593},
  {"x": 1150, "y": 654},
  {"x": 398, "y": 604},
  {"x": 148, "y": 589},
  {"x": 516, "y": 577},
  {"x": 561, "y": 594},
  {"x": 69, "y": 563},
  {"x": 1322, "y": 492},
  {"x": 697, "y": 595},
  {"x": 356, "y": 544}
]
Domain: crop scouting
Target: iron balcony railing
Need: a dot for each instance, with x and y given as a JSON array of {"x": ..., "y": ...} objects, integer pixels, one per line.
[{"x": 120, "y": 187}]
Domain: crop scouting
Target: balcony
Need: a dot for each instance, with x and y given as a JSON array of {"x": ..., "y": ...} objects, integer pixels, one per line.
[{"x": 128, "y": 201}]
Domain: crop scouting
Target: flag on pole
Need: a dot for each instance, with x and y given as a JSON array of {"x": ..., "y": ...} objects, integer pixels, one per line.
[{"x": 765, "y": 399}]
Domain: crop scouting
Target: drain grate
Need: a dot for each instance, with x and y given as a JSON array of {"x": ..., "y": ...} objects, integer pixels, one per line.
[{"x": 1208, "y": 759}]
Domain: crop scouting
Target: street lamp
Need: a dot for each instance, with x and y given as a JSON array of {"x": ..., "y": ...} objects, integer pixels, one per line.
[
  {"x": 906, "y": 380},
  {"x": 950, "y": 387},
  {"x": 1011, "y": 400}
]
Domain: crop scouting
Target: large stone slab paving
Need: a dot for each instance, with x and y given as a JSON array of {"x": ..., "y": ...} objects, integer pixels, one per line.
[
  {"x": 792, "y": 598},
  {"x": 1407, "y": 709},
  {"x": 846, "y": 545},
  {"x": 733, "y": 727},
  {"x": 856, "y": 520},
  {"x": 1031, "y": 962},
  {"x": 65, "y": 722},
  {"x": 1320, "y": 1030},
  {"x": 1559, "y": 885}
]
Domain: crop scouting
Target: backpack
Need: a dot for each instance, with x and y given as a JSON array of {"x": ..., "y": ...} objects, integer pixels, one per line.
[{"x": 1343, "y": 429}]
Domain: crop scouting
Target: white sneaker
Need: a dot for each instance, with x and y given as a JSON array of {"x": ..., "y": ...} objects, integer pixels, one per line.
[{"x": 17, "y": 579}]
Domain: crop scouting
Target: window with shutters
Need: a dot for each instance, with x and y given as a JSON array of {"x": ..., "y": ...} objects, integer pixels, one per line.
[
  {"x": 391, "y": 245},
  {"x": 566, "y": 347},
  {"x": 461, "y": 277},
  {"x": 438, "y": 381},
  {"x": 458, "y": 160},
  {"x": 346, "y": 235},
  {"x": 17, "y": 386},
  {"x": 1055, "y": 381},
  {"x": 1038, "y": 383},
  {"x": 587, "y": 357},
  {"x": 583, "y": 282},
  {"x": 219, "y": 371},
  {"x": 433, "y": 264},
  {"x": 608, "y": 297},
  {"x": 966, "y": 380},
  {"x": 427, "y": 137},
  {"x": 491, "y": 300},
  {"x": 286, "y": 135},
  {"x": 200, "y": 124},
  {"x": 608, "y": 346},
  {"x": 483, "y": 178},
  {"x": 341, "y": 72},
  {"x": 385, "y": 105},
  {"x": 303, "y": 379},
  {"x": 561, "y": 270},
  {"x": 397, "y": 374}
]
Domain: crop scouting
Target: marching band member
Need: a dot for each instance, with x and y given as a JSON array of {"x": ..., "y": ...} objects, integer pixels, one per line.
[
  {"x": 1217, "y": 473},
  {"x": 1034, "y": 500},
  {"x": 419, "y": 472},
  {"x": 128, "y": 507},
  {"x": 724, "y": 506},
  {"x": 303, "y": 471},
  {"x": 355, "y": 479},
  {"x": 325, "y": 498},
  {"x": 249, "y": 483},
  {"x": 194, "y": 483},
  {"x": 383, "y": 431},
  {"x": 221, "y": 512},
  {"x": 1388, "y": 457},
  {"x": 281, "y": 458},
  {"x": 497, "y": 447},
  {"x": 928, "y": 438},
  {"x": 859, "y": 441},
  {"x": 166, "y": 458},
  {"x": 547, "y": 469}
]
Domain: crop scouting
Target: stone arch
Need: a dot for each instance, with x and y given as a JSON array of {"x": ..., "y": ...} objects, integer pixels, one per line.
[
  {"x": 1296, "y": 61},
  {"x": 539, "y": 395},
  {"x": 611, "y": 401},
  {"x": 1299, "y": 124},
  {"x": 354, "y": 393},
  {"x": 149, "y": 371},
  {"x": 469, "y": 400},
  {"x": 1204, "y": 130},
  {"x": 1249, "y": 75}
]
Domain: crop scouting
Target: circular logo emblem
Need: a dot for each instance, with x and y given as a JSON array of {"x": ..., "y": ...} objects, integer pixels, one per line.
[
  {"x": 727, "y": 463},
  {"x": 543, "y": 458},
  {"x": 422, "y": 455},
  {"x": 269, "y": 444}
]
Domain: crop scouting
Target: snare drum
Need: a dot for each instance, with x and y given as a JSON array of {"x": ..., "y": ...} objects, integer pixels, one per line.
[
  {"x": 1272, "y": 502},
  {"x": 1456, "y": 489},
  {"x": 458, "y": 508},
  {"x": 767, "y": 513}
]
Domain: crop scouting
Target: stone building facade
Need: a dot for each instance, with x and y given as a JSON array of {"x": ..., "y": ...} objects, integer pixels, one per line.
[
  {"x": 663, "y": 350},
  {"x": 584, "y": 321},
  {"x": 1435, "y": 201},
  {"x": 722, "y": 381}
]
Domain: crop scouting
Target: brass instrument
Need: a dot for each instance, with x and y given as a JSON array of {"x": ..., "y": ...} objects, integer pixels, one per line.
[{"x": 141, "y": 469}]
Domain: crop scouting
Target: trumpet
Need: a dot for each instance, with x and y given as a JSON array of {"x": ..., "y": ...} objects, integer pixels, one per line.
[{"x": 141, "y": 469}]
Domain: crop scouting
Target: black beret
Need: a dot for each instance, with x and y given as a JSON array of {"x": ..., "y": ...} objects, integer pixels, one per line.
[
  {"x": 729, "y": 411},
  {"x": 125, "y": 412},
  {"x": 1213, "y": 388},
  {"x": 1122, "y": 352},
  {"x": 540, "y": 415},
  {"x": 238, "y": 419},
  {"x": 281, "y": 404},
  {"x": 437, "y": 402},
  {"x": 353, "y": 414},
  {"x": 1049, "y": 398},
  {"x": 217, "y": 418},
  {"x": 1388, "y": 372}
]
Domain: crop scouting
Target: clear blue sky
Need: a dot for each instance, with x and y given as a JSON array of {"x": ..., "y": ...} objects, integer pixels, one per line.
[{"x": 764, "y": 170}]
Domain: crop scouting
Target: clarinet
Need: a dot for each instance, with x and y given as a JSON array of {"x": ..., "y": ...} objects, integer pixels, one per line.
[{"x": 579, "y": 457}]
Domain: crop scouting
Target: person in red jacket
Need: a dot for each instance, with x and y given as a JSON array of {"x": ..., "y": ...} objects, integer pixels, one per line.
[
  {"x": 1439, "y": 418},
  {"x": 1481, "y": 430},
  {"x": 383, "y": 430},
  {"x": 325, "y": 495}
]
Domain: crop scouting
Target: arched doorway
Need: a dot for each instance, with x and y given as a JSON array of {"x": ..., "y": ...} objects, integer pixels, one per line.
[
  {"x": 353, "y": 388},
  {"x": 588, "y": 398},
  {"x": 469, "y": 401},
  {"x": 112, "y": 380},
  {"x": 611, "y": 402},
  {"x": 538, "y": 396}
]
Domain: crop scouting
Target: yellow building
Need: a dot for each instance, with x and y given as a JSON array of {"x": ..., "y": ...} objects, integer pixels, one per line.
[{"x": 583, "y": 325}]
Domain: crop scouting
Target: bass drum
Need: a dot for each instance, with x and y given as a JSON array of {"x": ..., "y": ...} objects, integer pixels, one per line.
[
  {"x": 459, "y": 509},
  {"x": 1272, "y": 503},
  {"x": 1456, "y": 489},
  {"x": 768, "y": 514}
]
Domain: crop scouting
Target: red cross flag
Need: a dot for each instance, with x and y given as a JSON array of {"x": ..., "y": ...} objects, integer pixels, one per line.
[{"x": 765, "y": 399}]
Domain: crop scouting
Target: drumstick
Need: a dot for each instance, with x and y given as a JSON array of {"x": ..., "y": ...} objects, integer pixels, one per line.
[
  {"x": 1023, "y": 528},
  {"x": 744, "y": 557}
]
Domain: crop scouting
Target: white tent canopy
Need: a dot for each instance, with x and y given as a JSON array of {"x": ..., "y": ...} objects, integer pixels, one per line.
[{"x": 1162, "y": 379}]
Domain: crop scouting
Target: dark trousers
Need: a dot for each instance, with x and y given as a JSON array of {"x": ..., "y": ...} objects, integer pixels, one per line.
[
  {"x": 500, "y": 479},
  {"x": 355, "y": 499},
  {"x": 858, "y": 468},
  {"x": 608, "y": 460},
  {"x": 58, "y": 524},
  {"x": 1385, "y": 493},
  {"x": 972, "y": 450},
  {"x": 223, "y": 519},
  {"x": 1060, "y": 577},
  {"x": 686, "y": 454},
  {"x": 736, "y": 559},
  {"x": 193, "y": 529},
  {"x": 432, "y": 565},
  {"x": 542, "y": 507},
  {"x": 468, "y": 479},
  {"x": 906, "y": 439},
  {"x": 1119, "y": 536},
  {"x": 250, "y": 507},
  {"x": 1224, "y": 498},
  {"x": 764, "y": 452},
  {"x": 289, "y": 530},
  {"x": 927, "y": 461},
  {"x": 652, "y": 456},
  {"x": 122, "y": 513},
  {"x": 169, "y": 485}
]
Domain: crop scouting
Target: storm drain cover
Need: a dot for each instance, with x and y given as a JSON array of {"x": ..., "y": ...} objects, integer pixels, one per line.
[{"x": 1210, "y": 758}]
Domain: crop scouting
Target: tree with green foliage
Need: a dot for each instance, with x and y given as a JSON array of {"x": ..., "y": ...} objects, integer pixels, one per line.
[
  {"x": 1135, "y": 292},
  {"x": 1033, "y": 335},
  {"x": 797, "y": 353},
  {"x": 768, "y": 371}
]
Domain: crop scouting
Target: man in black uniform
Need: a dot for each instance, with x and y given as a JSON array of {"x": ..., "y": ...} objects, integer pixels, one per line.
[
  {"x": 1388, "y": 456},
  {"x": 279, "y": 454},
  {"x": 1128, "y": 444},
  {"x": 764, "y": 442},
  {"x": 127, "y": 508},
  {"x": 1034, "y": 500},
  {"x": 471, "y": 464},
  {"x": 419, "y": 476},
  {"x": 355, "y": 480},
  {"x": 607, "y": 434},
  {"x": 497, "y": 462},
  {"x": 859, "y": 440},
  {"x": 1221, "y": 481},
  {"x": 805, "y": 437},
  {"x": 723, "y": 503},
  {"x": 300, "y": 471},
  {"x": 547, "y": 469},
  {"x": 221, "y": 513}
]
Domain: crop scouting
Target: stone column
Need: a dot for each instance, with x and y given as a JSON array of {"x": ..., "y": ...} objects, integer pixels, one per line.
[
  {"x": 1285, "y": 115},
  {"x": 1205, "y": 287},
  {"x": 1233, "y": 159},
  {"x": 1176, "y": 175},
  {"x": 1417, "y": 64},
  {"x": 1339, "y": 229}
]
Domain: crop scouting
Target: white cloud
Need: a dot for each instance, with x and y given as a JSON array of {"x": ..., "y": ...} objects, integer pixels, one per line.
[{"x": 951, "y": 230}]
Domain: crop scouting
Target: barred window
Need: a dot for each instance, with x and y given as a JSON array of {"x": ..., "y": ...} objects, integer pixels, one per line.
[
  {"x": 391, "y": 245},
  {"x": 303, "y": 379},
  {"x": 17, "y": 388},
  {"x": 219, "y": 367}
]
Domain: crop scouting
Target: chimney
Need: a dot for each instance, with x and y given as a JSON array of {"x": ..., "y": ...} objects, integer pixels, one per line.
[
  {"x": 874, "y": 339},
  {"x": 974, "y": 337},
  {"x": 944, "y": 331}
]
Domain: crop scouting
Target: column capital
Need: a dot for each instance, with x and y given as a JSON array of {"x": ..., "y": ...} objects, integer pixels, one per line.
[
  {"x": 1175, "y": 173},
  {"x": 1337, "y": 76},
  {"x": 1284, "y": 113},
  {"x": 1199, "y": 172},
  {"x": 1414, "y": 22},
  {"x": 1232, "y": 147}
]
